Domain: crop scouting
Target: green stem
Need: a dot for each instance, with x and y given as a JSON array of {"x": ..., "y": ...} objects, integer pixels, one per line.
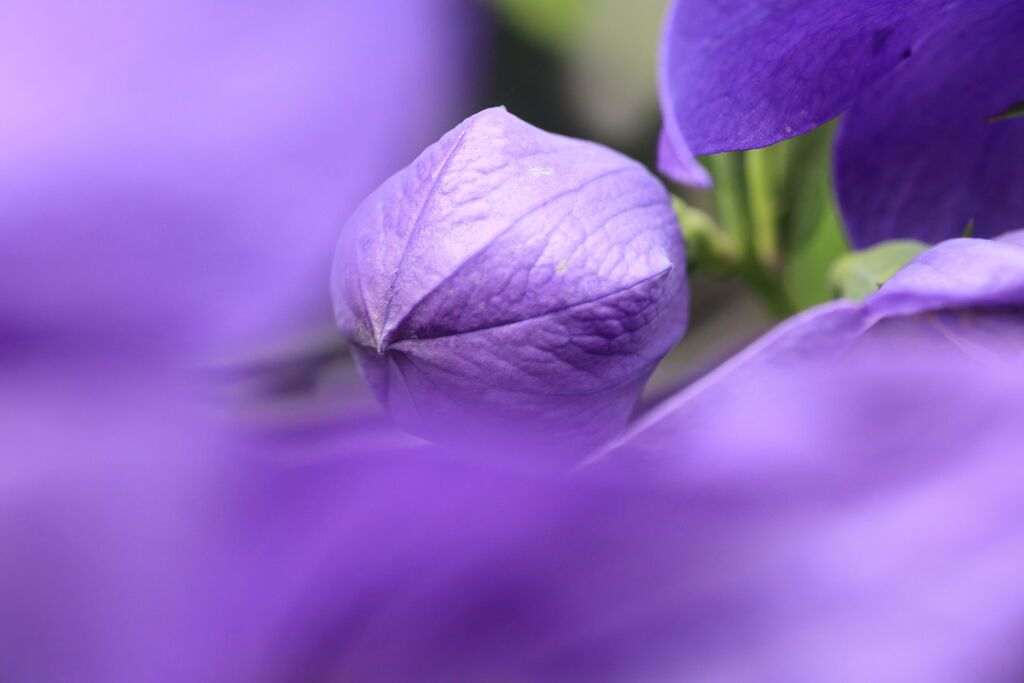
[
  {"x": 729, "y": 195},
  {"x": 758, "y": 259},
  {"x": 761, "y": 191}
]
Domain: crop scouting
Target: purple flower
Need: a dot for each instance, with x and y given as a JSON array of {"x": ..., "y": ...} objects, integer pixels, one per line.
[
  {"x": 174, "y": 171},
  {"x": 921, "y": 150},
  {"x": 962, "y": 297},
  {"x": 511, "y": 278}
]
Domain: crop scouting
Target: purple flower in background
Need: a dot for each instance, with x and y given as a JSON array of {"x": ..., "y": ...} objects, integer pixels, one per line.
[
  {"x": 174, "y": 171},
  {"x": 922, "y": 148},
  {"x": 962, "y": 297},
  {"x": 513, "y": 278}
]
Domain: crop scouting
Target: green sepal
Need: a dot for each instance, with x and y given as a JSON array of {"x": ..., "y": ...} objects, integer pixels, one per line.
[{"x": 860, "y": 273}]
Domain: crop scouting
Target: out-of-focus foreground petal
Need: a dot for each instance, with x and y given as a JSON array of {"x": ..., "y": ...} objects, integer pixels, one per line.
[
  {"x": 739, "y": 75},
  {"x": 824, "y": 524},
  {"x": 513, "y": 278},
  {"x": 921, "y": 153},
  {"x": 957, "y": 274},
  {"x": 109, "y": 518},
  {"x": 173, "y": 176},
  {"x": 827, "y": 524},
  {"x": 963, "y": 295},
  {"x": 879, "y": 502},
  {"x": 174, "y": 172}
]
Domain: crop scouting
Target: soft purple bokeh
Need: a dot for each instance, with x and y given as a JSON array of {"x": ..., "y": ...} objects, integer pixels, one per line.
[
  {"x": 110, "y": 503},
  {"x": 841, "y": 524},
  {"x": 800, "y": 547},
  {"x": 173, "y": 176},
  {"x": 919, "y": 152},
  {"x": 175, "y": 172},
  {"x": 513, "y": 279},
  {"x": 868, "y": 525}
]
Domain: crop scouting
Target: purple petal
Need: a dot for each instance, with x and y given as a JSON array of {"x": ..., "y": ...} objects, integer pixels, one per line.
[
  {"x": 919, "y": 154},
  {"x": 677, "y": 162},
  {"x": 870, "y": 511},
  {"x": 1015, "y": 237},
  {"x": 847, "y": 525},
  {"x": 993, "y": 335},
  {"x": 514, "y": 274},
  {"x": 965, "y": 295},
  {"x": 957, "y": 274},
  {"x": 739, "y": 75},
  {"x": 820, "y": 333},
  {"x": 174, "y": 171},
  {"x": 106, "y": 521}
]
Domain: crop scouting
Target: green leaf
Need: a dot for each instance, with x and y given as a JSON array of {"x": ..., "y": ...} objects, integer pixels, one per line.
[
  {"x": 860, "y": 273},
  {"x": 806, "y": 276},
  {"x": 811, "y": 234},
  {"x": 1010, "y": 112},
  {"x": 806, "y": 192}
]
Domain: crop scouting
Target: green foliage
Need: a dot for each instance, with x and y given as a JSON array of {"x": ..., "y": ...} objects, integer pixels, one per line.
[
  {"x": 861, "y": 273},
  {"x": 551, "y": 24},
  {"x": 806, "y": 277},
  {"x": 775, "y": 205},
  {"x": 708, "y": 247},
  {"x": 1010, "y": 112},
  {"x": 812, "y": 235},
  {"x": 807, "y": 193}
]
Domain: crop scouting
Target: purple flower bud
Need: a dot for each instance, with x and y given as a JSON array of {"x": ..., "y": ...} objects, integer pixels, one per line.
[{"x": 511, "y": 278}]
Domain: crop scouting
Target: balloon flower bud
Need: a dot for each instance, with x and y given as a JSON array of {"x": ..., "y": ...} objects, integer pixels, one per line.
[{"x": 512, "y": 281}]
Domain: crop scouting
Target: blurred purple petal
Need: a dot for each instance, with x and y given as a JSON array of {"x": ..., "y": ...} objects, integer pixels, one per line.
[
  {"x": 825, "y": 523},
  {"x": 108, "y": 523},
  {"x": 957, "y": 274},
  {"x": 822, "y": 332},
  {"x": 790, "y": 543},
  {"x": 994, "y": 335},
  {"x": 965, "y": 295},
  {"x": 1014, "y": 237},
  {"x": 174, "y": 172}
]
